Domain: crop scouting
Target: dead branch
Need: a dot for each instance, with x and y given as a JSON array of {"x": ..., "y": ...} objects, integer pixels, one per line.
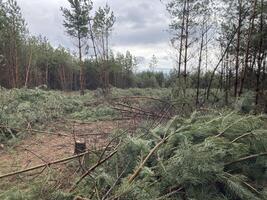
[
  {"x": 45, "y": 165},
  {"x": 247, "y": 158},
  {"x": 92, "y": 169},
  {"x": 32, "y": 130},
  {"x": 136, "y": 173},
  {"x": 115, "y": 183},
  {"x": 242, "y": 136},
  {"x": 39, "y": 157},
  {"x": 141, "y": 97},
  {"x": 170, "y": 194}
]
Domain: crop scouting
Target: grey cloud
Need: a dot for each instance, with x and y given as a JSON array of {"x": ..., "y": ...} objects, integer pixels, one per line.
[{"x": 139, "y": 23}]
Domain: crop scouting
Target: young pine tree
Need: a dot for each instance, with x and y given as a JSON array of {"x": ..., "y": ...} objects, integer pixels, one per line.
[{"x": 76, "y": 24}]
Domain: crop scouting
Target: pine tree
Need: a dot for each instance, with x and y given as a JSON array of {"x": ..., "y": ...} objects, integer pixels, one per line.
[
  {"x": 103, "y": 22},
  {"x": 76, "y": 24}
]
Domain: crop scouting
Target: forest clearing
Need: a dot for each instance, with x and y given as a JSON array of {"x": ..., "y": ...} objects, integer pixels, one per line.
[
  {"x": 148, "y": 143},
  {"x": 136, "y": 100}
]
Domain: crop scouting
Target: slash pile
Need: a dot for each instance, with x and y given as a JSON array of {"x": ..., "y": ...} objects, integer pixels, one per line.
[{"x": 211, "y": 156}]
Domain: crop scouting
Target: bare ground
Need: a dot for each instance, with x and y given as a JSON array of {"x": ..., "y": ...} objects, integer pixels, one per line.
[{"x": 44, "y": 148}]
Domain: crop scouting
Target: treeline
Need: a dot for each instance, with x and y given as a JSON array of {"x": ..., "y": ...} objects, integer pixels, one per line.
[
  {"x": 201, "y": 28},
  {"x": 29, "y": 61},
  {"x": 236, "y": 28}
]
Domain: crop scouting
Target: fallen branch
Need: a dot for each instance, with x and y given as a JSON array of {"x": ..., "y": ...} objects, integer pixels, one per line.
[
  {"x": 231, "y": 125},
  {"x": 142, "y": 97},
  {"x": 247, "y": 158},
  {"x": 45, "y": 165},
  {"x": 115, "y": 183},
  {"x": 136, "y": 173},
  {"x": 170, "y": 194},
  {"x": 33, "y": 130},
  {"x": 242, "y": 136},
  {"x": 92, "y": 169}
]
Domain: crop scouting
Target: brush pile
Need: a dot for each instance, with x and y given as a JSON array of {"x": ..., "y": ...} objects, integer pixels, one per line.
[
  {"x": 211, "y": 156},
  {"x": 23, "y": 109}
]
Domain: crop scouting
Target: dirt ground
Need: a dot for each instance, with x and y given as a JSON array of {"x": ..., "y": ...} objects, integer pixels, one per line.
[{"x": 43, "y": 148}]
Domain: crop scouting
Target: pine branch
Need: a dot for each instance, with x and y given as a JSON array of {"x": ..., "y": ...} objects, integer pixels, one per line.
[
  {"x": 92, "y": 169},
  {"x": 136, "y": 173},
  {"x": 247, "y": 158},
  {"x": 242, "y": 136}
]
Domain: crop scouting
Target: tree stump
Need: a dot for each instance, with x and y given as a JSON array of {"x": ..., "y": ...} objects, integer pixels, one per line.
[{"x": 80, "y": 147}]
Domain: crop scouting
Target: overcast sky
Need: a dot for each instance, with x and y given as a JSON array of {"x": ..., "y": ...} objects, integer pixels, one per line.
[{"x": 141, "y": 27}]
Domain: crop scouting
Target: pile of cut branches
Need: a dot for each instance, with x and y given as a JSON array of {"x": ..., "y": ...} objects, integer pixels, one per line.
[{"x": 208, "y": 156}]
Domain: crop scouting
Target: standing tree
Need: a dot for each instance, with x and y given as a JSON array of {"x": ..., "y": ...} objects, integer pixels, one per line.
[
  {"x": 13, "y": 35},
  {"x": 153, "y": 63},
  {"x": 103, "y": 22},
  {"x": 76, "y": 24}
]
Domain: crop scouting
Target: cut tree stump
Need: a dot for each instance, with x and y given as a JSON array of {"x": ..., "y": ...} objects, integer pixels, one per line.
[{"x": 80, "y": 147}]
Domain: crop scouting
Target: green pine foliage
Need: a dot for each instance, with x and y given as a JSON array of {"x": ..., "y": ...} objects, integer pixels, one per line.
[{"x": 197, "y": 161}]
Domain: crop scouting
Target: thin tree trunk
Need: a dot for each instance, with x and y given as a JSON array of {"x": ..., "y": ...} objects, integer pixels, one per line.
[
  {"x": 181, "y": 40},
  {"x": 93, "y": 42},
  {"x": 16, "y": 64},
  {"x": 260, "y": 57},
  {"x": 46, "y": 75},
  {"x": 251, "y": 27},
  {"x": 28, "y": 69},
  {"x": 199, "y": 64},
  {"x": 81, "y": 67},
  {"x": 218, "y": 64},
  {"x": 238, "y": 45},
  {"x": 264, "y": 73},
  {"x": 186, "y": 45},
  {"x": 227, "y": 79},
  {"x": 222, "y": 70}
]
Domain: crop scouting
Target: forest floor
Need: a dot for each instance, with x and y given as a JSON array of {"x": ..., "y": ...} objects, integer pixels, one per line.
[{"x": 40, "y": 149}]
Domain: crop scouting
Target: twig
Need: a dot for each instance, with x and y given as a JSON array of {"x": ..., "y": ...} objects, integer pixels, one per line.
[
  {"x": 234, "y": 123},
  {"x": 92, "y": 169},
  {"x": 170, "y": 194},
  {"x": 36, "y": 155},
  {"x": 44, "y": 165},
  {"x": 245, "y": 183},
  {"x": 33, "y": 130},
  {"x": 242, "y": 136},
  {"x": 115, "y": 183},
  {"x": 247, "y": 158},
  {"x": 136, "y": 173},
  {"x": 142, "y": 97}
]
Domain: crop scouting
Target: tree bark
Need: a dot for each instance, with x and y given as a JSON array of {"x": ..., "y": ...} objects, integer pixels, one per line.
[
  {"x": 251, "y": 27},
  {"x": 186, "y": 44},
  {"x": 181, "y": 39},
  {"x": 238, "y": 45},
  {"x": 260, "y": 57},
  {"x": 81, "y": 67},
  {"x": 199, "y": 64},
  {"x": 28, "y": 69}
]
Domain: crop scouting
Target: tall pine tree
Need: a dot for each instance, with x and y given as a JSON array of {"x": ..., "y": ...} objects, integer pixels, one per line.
[{"x": 76, "y": 24}]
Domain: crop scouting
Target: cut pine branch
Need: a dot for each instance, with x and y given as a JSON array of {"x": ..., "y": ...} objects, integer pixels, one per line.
[
  {"x": 32, "y": 130},
  {"x": 44, "y": 165},
  {"x": 92, "y": 169},
  {"x": 247, "y": 158},
  {"x": 139, "y": 169}
]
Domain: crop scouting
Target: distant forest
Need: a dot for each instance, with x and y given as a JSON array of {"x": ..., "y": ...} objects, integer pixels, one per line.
[{"x": 238, "y": 28}]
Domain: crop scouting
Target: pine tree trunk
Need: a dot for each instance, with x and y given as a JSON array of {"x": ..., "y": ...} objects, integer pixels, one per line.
[
  {"x": 199, "y": 65},
  {"x": 81, "y": 67},
  {"x": 251, "y": 27},
  {"x": 260, "y": 57},
  {"x": 238, "y": 45},
  {"x": 28, "y": 70},
  {"x": 181, "y": 39},
  {"x": 186, "y": 45}
]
